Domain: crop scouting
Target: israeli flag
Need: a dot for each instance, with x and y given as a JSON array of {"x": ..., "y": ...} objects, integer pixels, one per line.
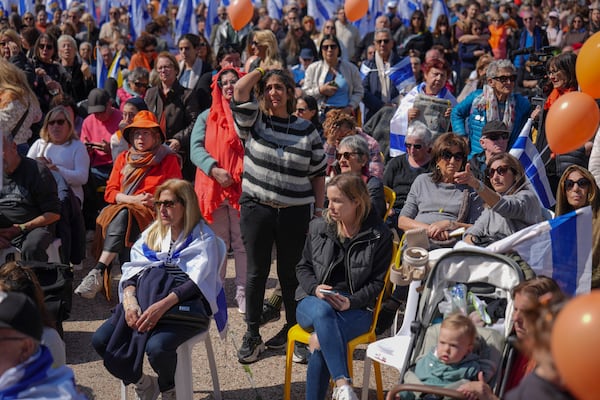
[
  {"x": 560, "y": 248},
  {"x": 186, "y": 19},
  {"x": 402, "y": 75},
  {"x": 138, "y": 10},
  {"x": 101, "y": 70},
  {"x": 275, "y": 9},
  {"x": 367, "y": 23},
  {"x": 322, "y": 10},
  {"x": 163, "y": 6},
  {"x": 26, "y": 5},
  {"x": 406, "y": 9},
  {"x": 526, "y": 152},
  {"x": 438, "y": 8},
  {"x": 211, "y": 18},
  {"x": 53, "y": 5}
]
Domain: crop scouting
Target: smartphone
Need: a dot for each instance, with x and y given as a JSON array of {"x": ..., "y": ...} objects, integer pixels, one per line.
[{"x": 328, "y": 292}]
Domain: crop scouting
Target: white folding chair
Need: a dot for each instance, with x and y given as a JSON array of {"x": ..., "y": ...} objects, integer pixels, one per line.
[{"x": 183, "y": 372}]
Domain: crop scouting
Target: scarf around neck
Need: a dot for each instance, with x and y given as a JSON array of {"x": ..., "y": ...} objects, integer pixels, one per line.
[
  {"x": 138, "y": 163},
  {"x": 489, "y": 102}
]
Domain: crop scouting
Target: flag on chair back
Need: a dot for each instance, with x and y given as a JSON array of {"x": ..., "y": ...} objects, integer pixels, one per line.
[
  {"x": 532, "y": 163},
  {"x": 560, "y": 248}
]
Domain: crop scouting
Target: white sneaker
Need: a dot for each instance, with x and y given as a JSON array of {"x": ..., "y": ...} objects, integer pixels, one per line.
[
  {"x": 344, "y": 392},
  {"x": 90, "y": 285},
  {"x": 147, "y": 388}
]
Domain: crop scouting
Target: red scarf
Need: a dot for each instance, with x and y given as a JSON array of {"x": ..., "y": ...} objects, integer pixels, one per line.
[{"x": 224, "y": 145}]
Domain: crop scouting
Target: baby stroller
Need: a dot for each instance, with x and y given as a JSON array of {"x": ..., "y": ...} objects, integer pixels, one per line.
[{"x": 491, "y": 278}]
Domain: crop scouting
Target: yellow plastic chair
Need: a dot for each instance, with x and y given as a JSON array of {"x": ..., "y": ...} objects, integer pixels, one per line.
[
  {"x": 390, "y": 199},
  {"x": 297, "y": 334}
]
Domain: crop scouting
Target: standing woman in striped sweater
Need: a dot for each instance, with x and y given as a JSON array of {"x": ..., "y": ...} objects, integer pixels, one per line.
[{"x": 284, "y": 175}]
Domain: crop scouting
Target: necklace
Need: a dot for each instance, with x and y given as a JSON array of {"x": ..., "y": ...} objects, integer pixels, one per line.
[{"x": 280, "y": 147}]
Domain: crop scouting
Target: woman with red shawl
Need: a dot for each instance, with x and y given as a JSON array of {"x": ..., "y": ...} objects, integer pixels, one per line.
[{"x": 218, "y": 153}]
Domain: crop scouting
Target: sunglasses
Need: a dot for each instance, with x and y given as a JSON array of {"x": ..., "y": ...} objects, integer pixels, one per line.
[
  {"x": 166, "y": 203},
  {"x": 140, "y": 84},
  {"x": 2, "y": 44},
  {"x": 414, "y": 146},
  {"x": 346, "y": 155},
  {"x": 382, "y": 41},
  {"x": 497, "y": 136},
  {"x": 501, "y": 170},
  {"x": 528, "y": 19},
  {"x": 505, "y": 79},
  {"x": 330, "y": 46},
  {"x": 255, "y": 43},
  {"x": 28, "y": 19},
  {"x": 329, "y": 27},
  {"x": 583, "y": 183},
  {"x": 59, "y": 122},
  {"x": 46, "y": 47},
  {"x": 300, "y": 109},
  {"x": 448, "y": 155}
]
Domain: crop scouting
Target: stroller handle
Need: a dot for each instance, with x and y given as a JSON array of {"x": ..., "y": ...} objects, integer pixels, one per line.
[{"x": 409, "y": 387}]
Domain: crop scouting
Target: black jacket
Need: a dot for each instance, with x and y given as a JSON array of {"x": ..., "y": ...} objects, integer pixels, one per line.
[{"x": 366, "y": 260}]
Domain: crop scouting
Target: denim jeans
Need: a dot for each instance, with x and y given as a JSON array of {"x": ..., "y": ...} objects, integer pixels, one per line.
[
  {"x": 262, "y": 226},
  {"x": 334, "y": 330},
  {"x": 161, "y": 348}
]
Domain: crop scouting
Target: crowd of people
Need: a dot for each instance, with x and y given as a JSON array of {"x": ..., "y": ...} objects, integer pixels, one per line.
[{"x": 275, "y": 140}]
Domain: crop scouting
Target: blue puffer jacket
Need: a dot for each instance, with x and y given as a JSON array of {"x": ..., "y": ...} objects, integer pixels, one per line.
[{"x": 463, "y": 116}]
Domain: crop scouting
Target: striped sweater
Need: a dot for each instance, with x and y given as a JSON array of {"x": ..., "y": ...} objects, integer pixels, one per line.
[{"x": 281, "y": 157}]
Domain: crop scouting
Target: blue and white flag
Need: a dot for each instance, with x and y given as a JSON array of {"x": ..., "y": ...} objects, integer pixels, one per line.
[
  {"x": 402, "y": 75},
  {"x": 53, "y": 5},
  {"x": 367, "y": 23},
  {"x": 138, "y": 11},
  {"x": 526, "y": 152},
  {"x": 406, "y": 8},
  {"x": 364, "y": 70},
  {"x": 186, "y": 19},
  {"x": 101, "y": 70},
  {"x": 211, "y": 17},
  {"x": 560, "y": 248},
  {"x": 163, "y": 6},
  {"x": 275, "y": 9},
  {"x": 26, "y": 5},
  {"x": 438, "y": 8},
  {"x": 322, "y": 10}
]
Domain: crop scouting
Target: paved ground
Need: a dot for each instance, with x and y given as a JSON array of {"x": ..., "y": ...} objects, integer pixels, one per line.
[{"x": 261, "y": 380}]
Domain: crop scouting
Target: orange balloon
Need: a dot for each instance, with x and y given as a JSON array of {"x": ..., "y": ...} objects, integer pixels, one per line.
[
  {"x": 240, "y": 13},
  {"x": 356, "y": 9},
  {"x": 587, "y": 68},
  {"x": 572, "y": 120},
  {"x": 575, "y": 343}
]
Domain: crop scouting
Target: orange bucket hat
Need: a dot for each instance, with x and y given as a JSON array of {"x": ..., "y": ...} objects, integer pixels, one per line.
[{"x": 143, "y": 119}]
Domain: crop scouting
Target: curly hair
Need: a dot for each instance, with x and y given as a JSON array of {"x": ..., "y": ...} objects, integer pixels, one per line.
[{"x": 336, "y": 118}]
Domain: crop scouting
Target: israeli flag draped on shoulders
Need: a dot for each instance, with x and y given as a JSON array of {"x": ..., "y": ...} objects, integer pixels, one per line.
[
  {"x": 532, "y": 163},
  {"x": 200, "y": 255},
  {"x": 560, "y": 248}
]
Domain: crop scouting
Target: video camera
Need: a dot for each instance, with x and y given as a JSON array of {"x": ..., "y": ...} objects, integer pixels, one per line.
[{"x": 536, "y": 63}]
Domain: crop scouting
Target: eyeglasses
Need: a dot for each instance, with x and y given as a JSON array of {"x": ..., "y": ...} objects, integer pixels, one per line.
[
  {"x": 140, "y": 84},
  {"x": 505, "y": 79},
  {"x": 382, "y": 41},
  {"x": 501, "y": 170},
  {"x": 166, "y": 203},
  {"x": 222, "y": 14},
  {"x": 528, "y": 19},
  {"x": 300, "y": 110},
  {"x": 329, "y": 27},
  {"x": 448, "y": 155},
  {"x": 346, "y": 155},
  {"x": 2, "y": 44},
  {"x": 330, "y": 46},
  {"x": 255, "y": 43},
  {"x": 46, "y": 46},
  {"x": 413, "y": 145},
  {"x": 553, "y": 72},
  {"x": 583, "y": 183},
  {"x": 59, "y": 122},
  {"x": 497, "y": 136}
]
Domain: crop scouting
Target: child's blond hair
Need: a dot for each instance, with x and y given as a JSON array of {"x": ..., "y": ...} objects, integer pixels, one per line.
[{"x": 461, "y": 323}]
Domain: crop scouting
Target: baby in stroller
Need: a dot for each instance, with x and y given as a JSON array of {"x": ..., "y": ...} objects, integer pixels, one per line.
[{"x": 452, "y": 360}]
